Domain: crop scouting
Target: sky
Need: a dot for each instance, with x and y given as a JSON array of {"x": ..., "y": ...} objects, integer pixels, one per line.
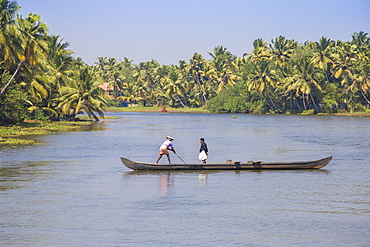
[{"x": 173, "y": 30}]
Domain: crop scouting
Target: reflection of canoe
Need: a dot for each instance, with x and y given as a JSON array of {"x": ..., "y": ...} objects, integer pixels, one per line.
[{"x": 251, "y": 165}]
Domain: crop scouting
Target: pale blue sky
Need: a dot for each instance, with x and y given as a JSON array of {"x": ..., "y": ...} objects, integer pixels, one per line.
[{"x": 170, "y": 31}]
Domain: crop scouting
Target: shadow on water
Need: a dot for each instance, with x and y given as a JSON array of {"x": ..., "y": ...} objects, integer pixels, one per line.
[
  {"x": 16, "y": 176},
  {"x": 204, "y": 175},
  {"x": 150, "y": 172},
  {"x": 166, "y": 179},
  {"x": 297, "y": 171},
  {"x": 89, "y": 127}
]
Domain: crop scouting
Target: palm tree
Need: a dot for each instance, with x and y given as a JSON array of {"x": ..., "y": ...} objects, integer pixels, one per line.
[
  {"x": 282, "y": 49},
  {"x": 259, "y": 51},
  {"x": 101, "y": 65},
  {"x": 83, "y": 95},
  {"x": 34, "y": 35},
  {"x": 196, "y": 68},
  {"x": 322, "y": 55},
  {"x": 59, "y": 62},
  {"x": 361, "y": 40},
  {"x": 174, "y": 86},
  {"x": 127, "y": 63},
  {"x": 8, "y": 10},
  {"x": 9, "y": 35},
  {"x": 359, "y": 79},
  {"x": 32, "y": 43},
  {"x": 35, "y": 47},
  {"x": 110, "y": 71},
  {"x": 223, "y": 63},
  {"x": 161, "y": 75},
  {"x": 222, "y": 52},
  {"x": 261, "y": 79},
  {"x": 145, "y": 75},
  {"x": 344, "y": 59},
  {"x": 303, "y": 80},
  {"x": 41, "y": 93},
  {"x": 130, "y": 92},
  {"x": 114, "y": 72},
  {"x": 225, "y": 75},
  {"x": 11, "y": 51}
]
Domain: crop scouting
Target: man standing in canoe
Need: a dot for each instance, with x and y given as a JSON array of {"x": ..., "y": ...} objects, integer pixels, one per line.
[
  {"x": 167, "y": 145},
  {"x": 203, "y": 151}
]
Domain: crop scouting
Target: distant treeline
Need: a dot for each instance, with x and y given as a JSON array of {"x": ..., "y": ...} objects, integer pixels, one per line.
[{"x": 39, "y": 78}]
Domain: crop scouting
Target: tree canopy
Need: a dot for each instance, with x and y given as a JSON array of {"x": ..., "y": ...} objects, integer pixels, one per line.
[{"x": 40, "y": 78}]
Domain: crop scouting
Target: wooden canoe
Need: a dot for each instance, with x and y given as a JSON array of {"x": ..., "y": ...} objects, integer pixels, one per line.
[{"x": 251, "y": 165}]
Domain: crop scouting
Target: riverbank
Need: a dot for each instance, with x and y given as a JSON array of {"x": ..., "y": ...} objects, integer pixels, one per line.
[
  {"x": 355, "y": 114},
  {"x": 157, "y": 109},
  {"x": 203, "y": 110},
  {"x": 19, "y": 134}
]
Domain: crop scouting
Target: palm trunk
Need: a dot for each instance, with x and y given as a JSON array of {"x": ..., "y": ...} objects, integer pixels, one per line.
[
  {"x": 327, "y": 74},
  {"x": 313, "y": 101},
  {"x": 299, "y": 106},
  {"x": 272, "y": 102},
  {"x": 304, "y": 101},
  {"x": 204, "y": 99},
  {"x": 197, "y": 78},
  {"x": 92, "y": 114},
  {"x": 15, "y": 73},
  {"x": 201, "y": 84},
  {"x": 268, "y": 103},
  {"x": 363, "y": 95},
  {"x": 291, "y": 102},
  {"x": 181, "y": 101}
]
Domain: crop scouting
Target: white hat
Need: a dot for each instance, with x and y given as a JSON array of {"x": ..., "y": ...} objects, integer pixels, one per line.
[{"x": 170, "y": 138}]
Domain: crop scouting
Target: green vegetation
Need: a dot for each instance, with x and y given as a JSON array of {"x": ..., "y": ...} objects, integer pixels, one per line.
[
  {"x": 157, "y": 109},
  {"x": 17, "y": 134},
  {"x": 282, "y": 77},
  {"x": 40, "y": 80}
]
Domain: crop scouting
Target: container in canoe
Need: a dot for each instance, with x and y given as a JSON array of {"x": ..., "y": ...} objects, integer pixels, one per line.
[{"x": 251, "y": 165}]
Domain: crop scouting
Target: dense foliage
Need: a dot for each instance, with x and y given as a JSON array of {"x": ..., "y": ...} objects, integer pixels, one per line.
[
  {"x": 284, "y": 76},
  {"x": 13, "y": 107},
  {"x": 39, "y": 78}
]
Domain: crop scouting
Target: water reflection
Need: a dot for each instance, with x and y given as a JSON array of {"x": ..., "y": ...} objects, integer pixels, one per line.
[
  {"x": 166, "y": 179},
  {"x": 165, "y": 184},
  {"x": 204, "y": 174},
  {"x": 311, "y": 171},
  {"x": 88, "y": 127},
  {"x": 15, "y": 176},
  {"x": 182, "y": 172},
  {"x": 202, "y": 179}
]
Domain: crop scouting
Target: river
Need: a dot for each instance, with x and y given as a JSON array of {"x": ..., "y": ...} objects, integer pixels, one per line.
[{"x": 72, "y": 189}]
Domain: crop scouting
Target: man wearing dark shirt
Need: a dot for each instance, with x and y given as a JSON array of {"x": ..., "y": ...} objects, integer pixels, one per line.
[{"x": 203, "y": 151}]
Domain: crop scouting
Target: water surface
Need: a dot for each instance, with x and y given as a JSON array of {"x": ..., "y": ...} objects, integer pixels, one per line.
[{"x": 72, "y": 190}]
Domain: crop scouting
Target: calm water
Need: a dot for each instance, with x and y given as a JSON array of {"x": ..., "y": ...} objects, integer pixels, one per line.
[{"x": 72, "y": 190}]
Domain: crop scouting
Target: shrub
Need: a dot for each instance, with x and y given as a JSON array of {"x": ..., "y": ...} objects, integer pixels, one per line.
[
  {"x": 229, "y": 100},
  {"x": 13, "y": 107}
]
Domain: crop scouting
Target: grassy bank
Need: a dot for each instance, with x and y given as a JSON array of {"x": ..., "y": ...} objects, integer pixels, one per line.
[
  {"x": 355, "y": 114},
  {"x": 203, "y": 110},
  {"x": 19, "y": 134}
]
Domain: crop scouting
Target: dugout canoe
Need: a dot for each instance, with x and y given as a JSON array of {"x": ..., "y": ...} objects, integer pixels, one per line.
[{"x": 250, "y": 165}]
